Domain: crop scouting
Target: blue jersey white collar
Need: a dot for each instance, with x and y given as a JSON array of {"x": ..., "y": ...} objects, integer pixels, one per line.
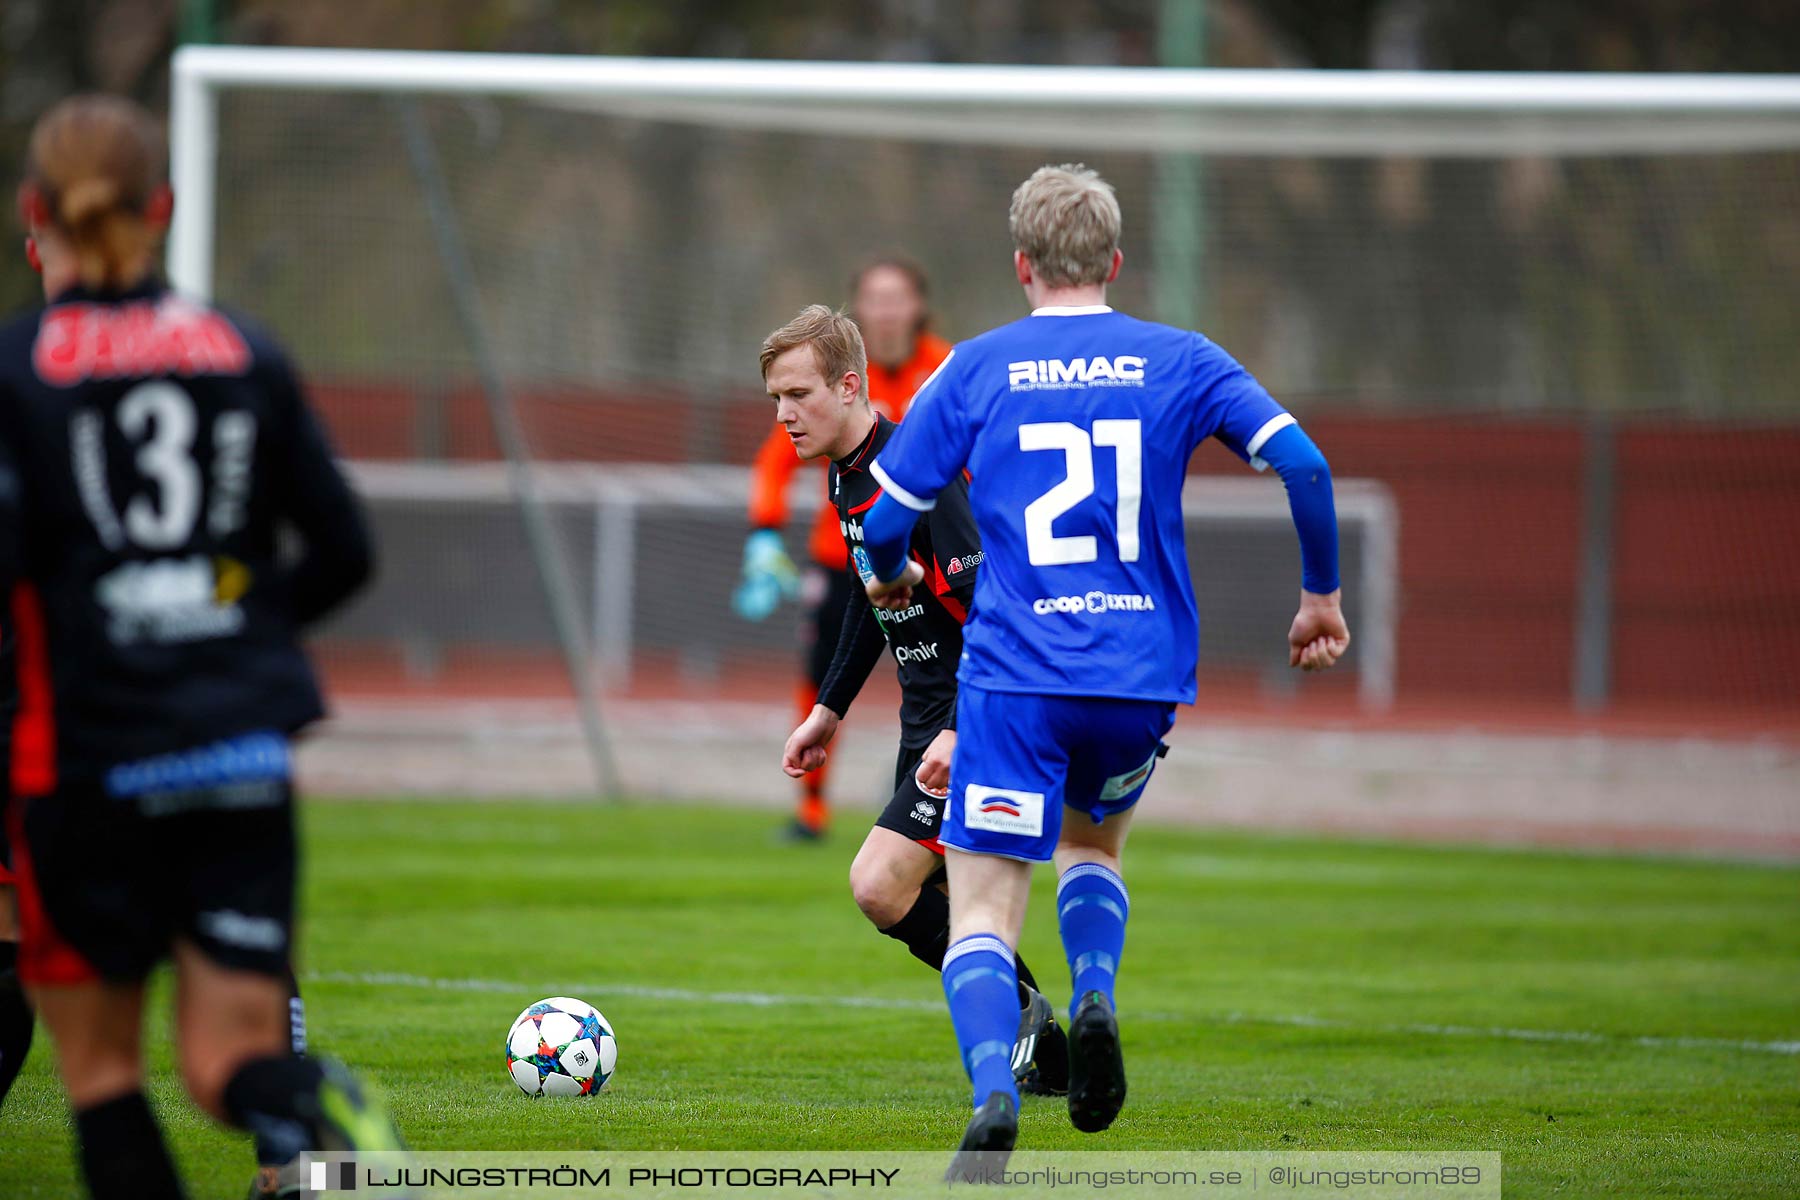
[{"x": 1067, "y": 310}]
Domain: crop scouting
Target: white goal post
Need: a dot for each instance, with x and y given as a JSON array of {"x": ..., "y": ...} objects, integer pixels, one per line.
[{"x": 1558, "y": 113}]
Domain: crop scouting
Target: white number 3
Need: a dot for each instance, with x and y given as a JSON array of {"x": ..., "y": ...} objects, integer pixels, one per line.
[
  {"x": 166, "y": 459},
  {"x": 1046, "y": 549}
]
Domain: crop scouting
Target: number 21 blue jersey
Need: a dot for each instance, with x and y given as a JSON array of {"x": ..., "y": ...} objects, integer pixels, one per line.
[{"x": 1076, "y": 426}]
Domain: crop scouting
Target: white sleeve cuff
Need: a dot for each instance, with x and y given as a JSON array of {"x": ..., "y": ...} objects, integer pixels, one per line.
[
  {"x": 1260, "y": 438},
  {"x": 917, "y": 504}
]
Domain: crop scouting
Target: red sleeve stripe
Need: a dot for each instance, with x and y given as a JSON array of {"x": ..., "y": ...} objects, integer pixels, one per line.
[
  {"x": 940, "y": 587},
  {"x": 34, "y": 724}
]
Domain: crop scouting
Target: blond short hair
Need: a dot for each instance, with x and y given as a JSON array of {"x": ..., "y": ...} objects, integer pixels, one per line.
[
  {"x": 836, "y": 342},
  {"x": 1065, "y": 221}
]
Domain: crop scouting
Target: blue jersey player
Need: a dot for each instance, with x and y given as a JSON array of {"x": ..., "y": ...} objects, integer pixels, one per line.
[{"x": 1075, "y": 425}]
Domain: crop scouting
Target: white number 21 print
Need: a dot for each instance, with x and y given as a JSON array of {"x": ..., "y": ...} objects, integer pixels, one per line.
[{"x": 1125, "y": 437}]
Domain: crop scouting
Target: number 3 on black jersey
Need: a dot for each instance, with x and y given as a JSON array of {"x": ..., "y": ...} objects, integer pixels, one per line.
[
  {"x": 158, "y": 418},
  {"x": 1047, "y": 549}
]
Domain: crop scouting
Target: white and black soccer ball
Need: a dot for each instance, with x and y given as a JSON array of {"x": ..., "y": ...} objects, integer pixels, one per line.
[{"x": 561, "y": 1047}]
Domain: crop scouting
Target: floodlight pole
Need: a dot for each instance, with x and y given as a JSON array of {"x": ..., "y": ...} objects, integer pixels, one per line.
[
  {"x": 199, "y": 22},
  {"x": 1178, "y": 218}
]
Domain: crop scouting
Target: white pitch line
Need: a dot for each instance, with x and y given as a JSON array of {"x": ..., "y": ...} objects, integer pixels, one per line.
[
  {"x": 684, "y": 995},
  {"x": 1518, "y": 1035},
  {"x": 770, "y": 1000}
]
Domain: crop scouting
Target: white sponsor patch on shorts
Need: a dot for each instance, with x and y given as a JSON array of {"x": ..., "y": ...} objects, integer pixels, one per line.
[
  {"x": 241, "y": 929},
  {"x": 1001, "y": 810},
  {"x": 1121, "y": 786}
]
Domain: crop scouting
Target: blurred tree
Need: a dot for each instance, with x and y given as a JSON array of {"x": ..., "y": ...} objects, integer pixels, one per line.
[
  {"x": 1416, "y": 221},
  {"x": 1420, "y": 218},
  {"x": 50, "y": 48}
]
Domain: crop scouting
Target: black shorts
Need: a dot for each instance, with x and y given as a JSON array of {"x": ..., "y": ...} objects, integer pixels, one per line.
[
  {"x": 105, "y": 889},
  {"x": 913, "y": 812},
  {"x": 827, "y": 595}
]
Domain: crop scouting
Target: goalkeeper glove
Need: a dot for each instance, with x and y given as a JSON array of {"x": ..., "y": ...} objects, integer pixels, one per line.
[{"x": 769, "y": 577}]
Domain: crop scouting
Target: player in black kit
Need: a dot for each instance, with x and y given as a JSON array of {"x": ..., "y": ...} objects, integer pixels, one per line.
[
  {"x": 814, "y": 368},
  {"x": 16, "y": 1020},
  {"x": 152, "y": 450}
]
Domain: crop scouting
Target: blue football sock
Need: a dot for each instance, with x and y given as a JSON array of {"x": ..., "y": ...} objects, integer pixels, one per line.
[
  {"x": 982, "y": 985},
  {"x": 1091, "y": 906}
]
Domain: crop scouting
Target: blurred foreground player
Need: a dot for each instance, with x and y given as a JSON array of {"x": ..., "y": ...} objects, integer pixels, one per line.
[
  {"x": 1077, "y": 424},
  {"x": 151, "y": 450},
  {"x": 15, "y": 1012},
  {"x": 812, "y": 368},
  {"x": 889, "y": 304}
]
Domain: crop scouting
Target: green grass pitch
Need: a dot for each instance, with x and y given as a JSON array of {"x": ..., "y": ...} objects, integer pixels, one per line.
[{"x": 1276, "y": 994}]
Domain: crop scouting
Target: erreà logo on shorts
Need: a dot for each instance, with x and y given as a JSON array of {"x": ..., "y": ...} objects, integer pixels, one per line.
[
  {"x": 1121, "y": 370},
  {"x": 1002, "y": 810},
  {"x": 1093, "y": 603}
]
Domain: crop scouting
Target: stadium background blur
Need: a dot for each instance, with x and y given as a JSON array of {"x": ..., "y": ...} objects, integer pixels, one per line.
[{"x": 1574, "y": 376}]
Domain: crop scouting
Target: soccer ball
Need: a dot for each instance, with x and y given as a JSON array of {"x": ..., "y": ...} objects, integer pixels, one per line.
[{"x": 561, "y": 1047}]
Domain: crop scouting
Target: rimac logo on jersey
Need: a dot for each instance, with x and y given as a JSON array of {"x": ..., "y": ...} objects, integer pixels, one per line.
[
  {"x": 1122, "y": 370},
  {"x": 1002, "y": 810}
]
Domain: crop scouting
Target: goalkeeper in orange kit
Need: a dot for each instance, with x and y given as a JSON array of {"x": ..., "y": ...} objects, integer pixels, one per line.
[{"x": 889, "y": 301}]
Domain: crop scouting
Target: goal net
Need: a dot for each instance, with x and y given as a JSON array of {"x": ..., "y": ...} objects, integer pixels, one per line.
[{"x": 1470, "y": 290}]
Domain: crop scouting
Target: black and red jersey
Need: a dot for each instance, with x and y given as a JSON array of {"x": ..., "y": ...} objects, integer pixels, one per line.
[
  {"x": 155, "y": 454},
  {"x": 926, "y": 636}
]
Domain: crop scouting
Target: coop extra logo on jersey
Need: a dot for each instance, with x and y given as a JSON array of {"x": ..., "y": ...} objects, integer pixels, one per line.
[
  {"x": 1002, "y": 810},
  {"x": 1093, "y": 603},
  {"x": 967, "y": 562},
  {"x": 1121, "y": 370}
]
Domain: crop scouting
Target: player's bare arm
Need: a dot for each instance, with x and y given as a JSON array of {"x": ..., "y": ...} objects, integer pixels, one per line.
[
  {"x": 895, "y": 594},
  {"x": 934, "y": 768},
  {"x": 806, "y": 746}
]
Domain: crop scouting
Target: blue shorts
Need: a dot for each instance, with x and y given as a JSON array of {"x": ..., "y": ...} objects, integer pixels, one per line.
[{"x": 1020, "y": 758}]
